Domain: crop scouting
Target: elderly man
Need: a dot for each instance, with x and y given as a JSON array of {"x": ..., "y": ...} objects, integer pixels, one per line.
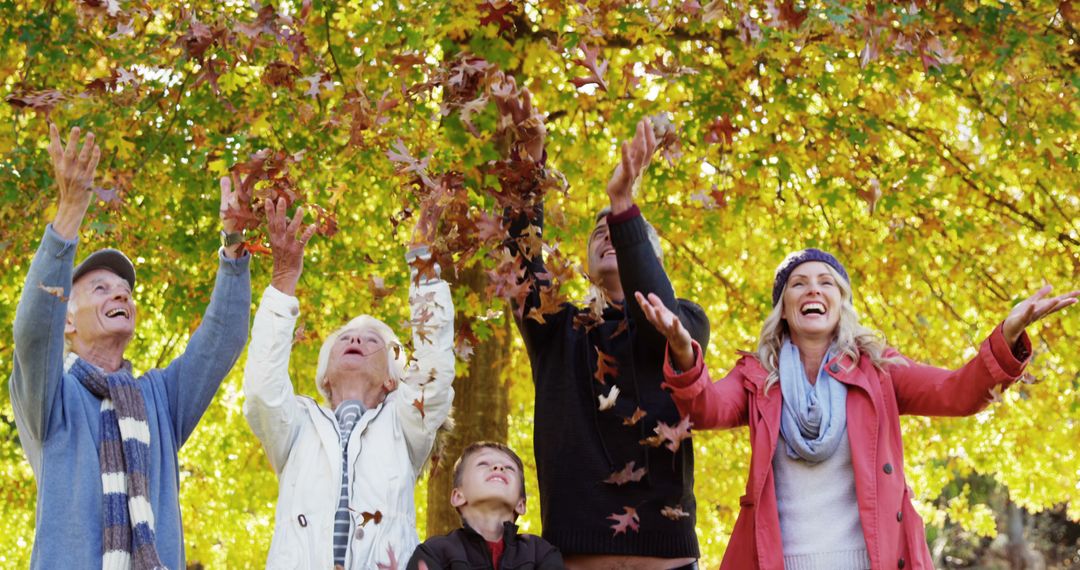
[
  {"x": 346, "y": 470},
  {"x": 611, "y": 494},
  {"x": 102, "y": 442}
]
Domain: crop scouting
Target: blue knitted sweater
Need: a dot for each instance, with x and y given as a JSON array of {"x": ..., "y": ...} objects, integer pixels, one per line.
[{"x": 59, "y": 421}]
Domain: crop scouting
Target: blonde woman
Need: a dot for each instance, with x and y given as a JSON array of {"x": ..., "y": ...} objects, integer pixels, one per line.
[{"x": 822, "y": 398}]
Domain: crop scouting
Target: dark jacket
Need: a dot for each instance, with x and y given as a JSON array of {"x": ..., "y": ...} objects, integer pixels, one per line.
[
  {"x": 465, "y": 549},
  {"x": 577, "y": 446}
]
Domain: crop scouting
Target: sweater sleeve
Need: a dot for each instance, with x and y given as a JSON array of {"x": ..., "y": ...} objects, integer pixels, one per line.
[
  {"x": 534, "y": 274},
  {"x": 427, "y": 393},
  {"x": 710, "y": 405},
  {"x": 270, "y": 405},
  {"x": 931, "y": 391},
  {"x": 192, "y": 379},
  {"x": 39, "y": 339},
  {"x": 641, "y": 271}
]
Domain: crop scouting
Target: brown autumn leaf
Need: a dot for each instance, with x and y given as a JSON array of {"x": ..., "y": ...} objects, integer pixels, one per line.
[
  {"x": 626, "y": 475},
  {"x": 419, "y": 403},
  {"x": 378, "y": 288},
  {"x": 57, "y": 292},
  {"x": 597, "y": 70},
  {"x": 628, "y": 520},
  {"x": 674, "y": 513},
  {"x": 673, "y": 435},
  {"x": 605, "y": 366},
  {"x": 43, "y": 100},
  {"x": 635, "y": 417}
]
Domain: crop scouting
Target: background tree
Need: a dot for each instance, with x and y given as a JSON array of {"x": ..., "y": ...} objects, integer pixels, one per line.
[{"x": 931, "y": 145}]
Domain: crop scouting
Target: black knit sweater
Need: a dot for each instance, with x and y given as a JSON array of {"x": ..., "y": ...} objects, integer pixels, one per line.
[{"x": 577, "y": 446}]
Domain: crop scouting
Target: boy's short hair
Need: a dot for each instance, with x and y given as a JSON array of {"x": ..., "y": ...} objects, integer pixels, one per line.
[{"x": 472, "y": 448}]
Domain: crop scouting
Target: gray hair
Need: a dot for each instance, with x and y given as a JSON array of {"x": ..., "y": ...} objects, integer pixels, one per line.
[{"x": 395, "y": 355}]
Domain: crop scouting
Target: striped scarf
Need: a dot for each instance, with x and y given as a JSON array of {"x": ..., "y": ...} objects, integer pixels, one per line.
[
  {"x": 124, "y": 458},
  {"x": 347, "y": 412}
]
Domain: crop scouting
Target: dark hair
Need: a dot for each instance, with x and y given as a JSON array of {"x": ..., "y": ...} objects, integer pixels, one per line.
[{"x": 476, "y": 447}]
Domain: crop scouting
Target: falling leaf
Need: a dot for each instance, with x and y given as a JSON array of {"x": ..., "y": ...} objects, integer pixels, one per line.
[
  {"x": 300, "y": 335},
  {"x": 634, "y": 418},
  {"x": 317, "y": 84},
  {"x": 109, "y": 196},
  {"x": 628, "y": 520},
  {"x": 720, "y": 130},
  {"x": 652, "y": 441},
  {"x": 995, "y": 395},
  {"x": 626, "y": 475},
  {"x": 621, "y": 328},
  {"x": 871, "y": 195},
  {"x": 674, "y": 513},
  {"x": 596, "y": 77},
  {"x": 57, "y": 292},
  {"x": 673, "y": 435},
  {"x": 419, "y": 404},
  {"x": 367, "y": 517},
  {"x": 608, "y": 402},
  {"x": 378, "y": 288},
  {"x": 605, "y": 366},
  {"x": 43, "y": 101}
]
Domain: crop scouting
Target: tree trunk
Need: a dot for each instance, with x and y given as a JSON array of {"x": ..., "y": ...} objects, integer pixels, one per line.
[
  {"x": 1021, "y": 556},
  {"x": 481, "y": 405}
]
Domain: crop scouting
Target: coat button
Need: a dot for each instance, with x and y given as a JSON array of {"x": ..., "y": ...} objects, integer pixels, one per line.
[
  {"x": 302, "y": 520},
  {"x": 834, "y": 368},
  {"x": 887, "y": 468},
  {"x": 899, "y": 516},
  {"x": 900, "y": 563}
]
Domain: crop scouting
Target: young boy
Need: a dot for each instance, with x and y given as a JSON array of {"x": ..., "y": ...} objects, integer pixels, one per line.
[{"x": 489, "y": 493}]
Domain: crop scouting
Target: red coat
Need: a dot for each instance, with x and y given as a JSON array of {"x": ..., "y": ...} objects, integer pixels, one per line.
[{"x": 894, "y": 532}]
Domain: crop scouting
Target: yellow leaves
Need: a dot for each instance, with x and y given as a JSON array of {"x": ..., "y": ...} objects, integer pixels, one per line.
[{"x": 977, "y": 518}]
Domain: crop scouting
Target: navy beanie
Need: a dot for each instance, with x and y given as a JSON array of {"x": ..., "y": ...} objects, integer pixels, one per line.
[{"x": 798, "y": 258}]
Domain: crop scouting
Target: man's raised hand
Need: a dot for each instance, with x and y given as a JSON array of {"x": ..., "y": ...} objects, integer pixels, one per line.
[
  {"x": 636, "y": 155},
  {"x": 74, "y": 170}
]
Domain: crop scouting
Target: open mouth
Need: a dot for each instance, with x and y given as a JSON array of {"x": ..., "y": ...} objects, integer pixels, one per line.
[
  {"x": 499, "y": 478},
  {"x": 813, "y": 308},
  {"x": 113, "y": 313},
  {"x": 607, "y": 253},
  {"x": 354, "y": 350}
]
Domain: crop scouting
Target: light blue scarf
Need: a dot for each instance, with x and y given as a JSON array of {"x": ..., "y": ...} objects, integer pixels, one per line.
[{"x": 813, "y": 418}]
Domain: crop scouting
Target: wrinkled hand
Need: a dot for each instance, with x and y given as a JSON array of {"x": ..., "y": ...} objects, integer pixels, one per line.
[
  {"x": 230, "y": 200},
  {"x": 74, "y": 171},
  {"x": 516, "y": 109},
  {"x": 669, "y": 325},
  {"x": 636, "y": 156},
  {"x": 1032, "y": 309},
  {"x": 287, "y": 243}
]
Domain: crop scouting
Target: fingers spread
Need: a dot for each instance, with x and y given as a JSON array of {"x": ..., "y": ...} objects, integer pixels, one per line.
[
  {"x": 73, "y": 142},
  {"x": 87, "y": 149}
]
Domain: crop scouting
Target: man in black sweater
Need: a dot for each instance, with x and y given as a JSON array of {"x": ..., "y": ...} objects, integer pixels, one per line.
[{"x": 615, "y": 472}]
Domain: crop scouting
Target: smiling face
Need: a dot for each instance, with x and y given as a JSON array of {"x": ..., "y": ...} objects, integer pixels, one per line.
[
  {"x": 601, "y": 253},
  {"x": 490, "y": 476},
  {"x": 101, "y": 308},
  {"x": 812, "y": 302}
]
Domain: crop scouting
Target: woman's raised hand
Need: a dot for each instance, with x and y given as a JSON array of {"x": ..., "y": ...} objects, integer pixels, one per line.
[
  {"x": 287, "y": 242},
  {"x": 679, "y": 341},
  {"x": 1032, "y": 309}
]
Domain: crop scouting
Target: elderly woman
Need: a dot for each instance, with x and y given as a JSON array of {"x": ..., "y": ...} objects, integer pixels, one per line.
[
  {"x": 346, "y": 469},
  {"x": 822, "y": 398}
]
